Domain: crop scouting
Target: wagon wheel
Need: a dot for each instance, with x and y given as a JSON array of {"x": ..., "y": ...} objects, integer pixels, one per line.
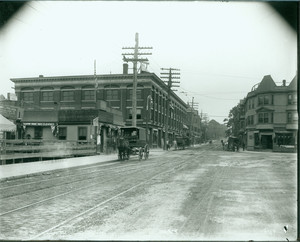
[
  {"x": 140, "y": 154},
  {"x": 146, "y": 149}
]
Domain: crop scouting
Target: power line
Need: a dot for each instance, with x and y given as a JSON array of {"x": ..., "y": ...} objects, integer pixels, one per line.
[
  {"x": 168, "y": 78},
  {"x": 135, "y": 60}
]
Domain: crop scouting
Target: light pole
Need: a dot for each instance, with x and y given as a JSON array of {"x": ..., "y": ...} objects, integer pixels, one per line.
[{"x": 147, "y": 108}]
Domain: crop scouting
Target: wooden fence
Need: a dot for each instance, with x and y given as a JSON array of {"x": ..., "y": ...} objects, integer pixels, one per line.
[{"x": 12, "y": 151}]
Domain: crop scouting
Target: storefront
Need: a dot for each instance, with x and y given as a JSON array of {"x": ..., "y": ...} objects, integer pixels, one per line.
[{"x": 40, "y": 125}]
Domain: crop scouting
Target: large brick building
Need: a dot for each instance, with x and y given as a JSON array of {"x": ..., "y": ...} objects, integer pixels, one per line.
[
  {"x": 271, "y": 117},
  {"x": 61, "y": 94}
]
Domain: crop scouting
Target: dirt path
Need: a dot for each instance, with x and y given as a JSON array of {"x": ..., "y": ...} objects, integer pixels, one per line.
[{"x": 217, "y": 196}]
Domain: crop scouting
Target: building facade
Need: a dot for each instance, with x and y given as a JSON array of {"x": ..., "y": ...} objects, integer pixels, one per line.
[
  {"x": 271, "y": 116},
  {"x": 72, "y": 99}
]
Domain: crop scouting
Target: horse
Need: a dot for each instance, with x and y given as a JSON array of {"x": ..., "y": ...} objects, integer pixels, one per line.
[{"x": 123, "y": 148}]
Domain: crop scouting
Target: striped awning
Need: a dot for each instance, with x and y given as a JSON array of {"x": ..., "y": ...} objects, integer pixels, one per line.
[{"x": 6, "y": 125}]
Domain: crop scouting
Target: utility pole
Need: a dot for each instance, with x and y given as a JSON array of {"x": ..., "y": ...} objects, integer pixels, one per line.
[
  {"x": 192, "y": 119},
  {"x": 169, "y": 76},
  {"x": 135, "y": 60}
]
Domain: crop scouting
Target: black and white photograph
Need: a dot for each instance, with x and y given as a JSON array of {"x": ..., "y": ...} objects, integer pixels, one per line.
[{"x": 149, "y": 120}]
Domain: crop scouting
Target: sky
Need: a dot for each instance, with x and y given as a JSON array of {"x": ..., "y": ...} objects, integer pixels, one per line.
[{"x": 221, "y": 48}]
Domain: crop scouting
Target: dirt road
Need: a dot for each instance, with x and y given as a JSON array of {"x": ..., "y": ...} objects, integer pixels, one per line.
[{"x": 196, "y": 194}]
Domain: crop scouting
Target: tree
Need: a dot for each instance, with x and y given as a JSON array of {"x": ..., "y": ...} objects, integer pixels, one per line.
[{"x": 233, "y": 121}]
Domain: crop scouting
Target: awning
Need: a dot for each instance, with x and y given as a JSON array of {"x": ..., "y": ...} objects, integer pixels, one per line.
[
  {"x": 6, "y": 125},
  {"x": 40, "y": 118}
]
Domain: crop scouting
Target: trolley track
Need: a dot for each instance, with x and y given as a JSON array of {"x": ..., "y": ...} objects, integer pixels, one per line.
[
  {"x": 88, "y": 179},
  {"x": 120, "y": 182},
  {"x": 81, "y": 215}
]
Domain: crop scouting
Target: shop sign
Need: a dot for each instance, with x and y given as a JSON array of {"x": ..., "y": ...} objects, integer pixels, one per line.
[{"x": 38, "y": 124}]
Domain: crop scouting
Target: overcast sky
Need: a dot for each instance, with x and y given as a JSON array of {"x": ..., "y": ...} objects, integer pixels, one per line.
[{"x": 221, "y": 48}]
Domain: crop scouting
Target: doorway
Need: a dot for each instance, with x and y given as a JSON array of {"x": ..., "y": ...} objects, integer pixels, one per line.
[{"x": 267, "y": 142}]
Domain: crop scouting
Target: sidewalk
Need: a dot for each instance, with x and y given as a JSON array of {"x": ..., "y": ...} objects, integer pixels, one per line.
[{"x": 23, "y": 169}]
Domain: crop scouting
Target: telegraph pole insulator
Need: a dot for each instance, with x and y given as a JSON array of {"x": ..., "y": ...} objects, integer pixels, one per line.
[
  {"x": 135, "y": 60},
  {"x": 169, "y": 76}
]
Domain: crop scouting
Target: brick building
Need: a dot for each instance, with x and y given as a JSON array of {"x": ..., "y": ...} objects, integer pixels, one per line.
[{"x": 107, "y": 97}]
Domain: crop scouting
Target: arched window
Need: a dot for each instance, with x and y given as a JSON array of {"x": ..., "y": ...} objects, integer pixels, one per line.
[
  {"x": 67, "y": 93},
  {"x": 27, "y": 94},
  {"x": 88, "y": 93},
  {"x": 112, "y": 92},
  {"x": 138, "y": 91},
  {"x": 47, "y": 94}
]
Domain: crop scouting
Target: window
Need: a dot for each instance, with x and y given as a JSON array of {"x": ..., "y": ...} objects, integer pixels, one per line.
[
  {"x": 138, "y": 114},
  {"x": 67, "y": 95},
  {"x": 138, "y": 94},
  {"x": 38, "y": 132},
  {"x": 260, "y": 118},
  {"x": 263, "y": 118},
  {"x": 292, "y": 99},
  {"x": 266, "y": 99},
  {"x": 260, "y": 100},
  {"x": 28, "y": 96},
  {"x": 47, "y": 96},
  {"x": 112, "y": 94},
  {"x": 250, "y": 120},
  {"x": 266, "y": 118},
  {"x": 272, "y": 99},
  {"x": 88, "y": 95},
  {"x": 289, "y": 117},
  {"x": 62, "y": 133},
  {"x": 82, "y": 133}
]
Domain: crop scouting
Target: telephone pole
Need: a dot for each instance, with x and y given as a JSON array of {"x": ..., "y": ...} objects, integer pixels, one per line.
[
  {"x": 169, "y": 80},
  {"x": 136, "y": 58},
  {"x": 192, "y": 119}
]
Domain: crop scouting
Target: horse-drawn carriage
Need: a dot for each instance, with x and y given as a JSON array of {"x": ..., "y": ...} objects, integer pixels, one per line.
[
  {"x": 132, "y": 141},
  {"x": 181, "y": 142}
]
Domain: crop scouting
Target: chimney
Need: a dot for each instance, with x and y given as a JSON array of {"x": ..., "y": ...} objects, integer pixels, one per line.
[
  {"x": 284, "y": 83},
  {"x": 125, "y": 68}
]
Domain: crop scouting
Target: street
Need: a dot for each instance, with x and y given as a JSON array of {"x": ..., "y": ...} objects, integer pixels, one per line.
[{"x": 201, "y": 193}]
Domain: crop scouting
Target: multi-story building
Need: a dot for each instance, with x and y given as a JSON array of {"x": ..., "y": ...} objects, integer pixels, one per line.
[
  {"x": 71, "y": 99},
  {"x": 271, "y": 117}
]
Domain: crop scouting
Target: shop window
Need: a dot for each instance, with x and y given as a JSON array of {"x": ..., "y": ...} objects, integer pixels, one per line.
[
  {"x": 82, "y": 133},
  {"x": 38, "y": 132},
  {"x": 285, "y": 139},
  {"x": 62, "y": 133}
]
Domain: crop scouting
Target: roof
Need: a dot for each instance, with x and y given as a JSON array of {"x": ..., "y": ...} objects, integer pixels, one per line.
[
  {"x": 40, "y": 116},
  {"x": 6, "y": 125},
  {"x": 267, "y": 84},
  {"x": 293, "y": 84}
]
